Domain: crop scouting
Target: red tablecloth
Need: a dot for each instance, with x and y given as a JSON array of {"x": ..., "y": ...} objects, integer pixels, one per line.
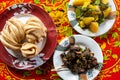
[{"x": 109, "y": 43}]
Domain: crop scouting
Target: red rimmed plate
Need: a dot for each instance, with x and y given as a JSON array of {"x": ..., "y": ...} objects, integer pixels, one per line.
[{"x": 45, "y": 54}]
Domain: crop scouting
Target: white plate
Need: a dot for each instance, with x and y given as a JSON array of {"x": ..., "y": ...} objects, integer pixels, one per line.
[
  {"x": 86, "y": 41},
  {"x": 103, "y": 28}
]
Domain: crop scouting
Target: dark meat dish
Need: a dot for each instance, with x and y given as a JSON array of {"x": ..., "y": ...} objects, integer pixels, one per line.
[{"x": 78, "y": 60}]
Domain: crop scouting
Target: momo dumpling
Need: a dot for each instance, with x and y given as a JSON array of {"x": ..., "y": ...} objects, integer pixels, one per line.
[
  {"x": 19, "y": 26},
  {"x": 29, "y": 50},
  {"x": 35, "y": 30},
  {"x": 12, "y": 34},
  {"x": 36, "y": 22}
]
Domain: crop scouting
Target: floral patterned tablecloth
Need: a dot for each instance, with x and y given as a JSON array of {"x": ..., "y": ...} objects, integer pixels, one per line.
[{"x": 109, "y": 43}]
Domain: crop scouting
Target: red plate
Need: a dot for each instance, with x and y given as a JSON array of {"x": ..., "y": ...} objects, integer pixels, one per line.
[{"x": 29, "y": 63}]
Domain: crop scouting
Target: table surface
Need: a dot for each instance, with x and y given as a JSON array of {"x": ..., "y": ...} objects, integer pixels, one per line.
[{"x": 109, "y": 43}]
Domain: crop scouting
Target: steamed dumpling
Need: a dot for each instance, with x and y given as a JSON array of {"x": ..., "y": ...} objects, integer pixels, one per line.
[
  {"x": 29, "y": 50},
  {"x": 35, "y": 30},
  {"x": 13, "y": 34},
  {"x": 36, "y": 22}
]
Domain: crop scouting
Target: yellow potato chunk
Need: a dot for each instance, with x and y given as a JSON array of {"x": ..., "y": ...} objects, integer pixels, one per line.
[
  {"x": 96, "y": 17},
  {"x": 85, "y": 4},
  {"x": 78, "y": 2},
  {"x": 94, "y": 27},
  {"x": 106, "y": 12},
  {"x": 105, "y": 1},
  {"x": 82, "y": 25},
  {"x": 95, "y": 8},
  {"x": 87, "y": 0},
  {"x": 88, "y": 20}
]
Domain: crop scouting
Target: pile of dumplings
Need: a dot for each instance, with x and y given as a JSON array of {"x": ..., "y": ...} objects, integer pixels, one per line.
[{"x": 23, "y": 37}]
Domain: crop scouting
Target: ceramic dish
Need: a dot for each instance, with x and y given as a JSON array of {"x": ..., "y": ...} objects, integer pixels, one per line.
[
  {"x": 103, "y": 28},
  {"x": 85, "y": 41},
  {"x": 23, "y": 12}
]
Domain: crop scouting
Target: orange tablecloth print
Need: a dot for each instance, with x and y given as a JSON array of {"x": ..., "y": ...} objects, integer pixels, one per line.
[{"x": 109, "y": 43}]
